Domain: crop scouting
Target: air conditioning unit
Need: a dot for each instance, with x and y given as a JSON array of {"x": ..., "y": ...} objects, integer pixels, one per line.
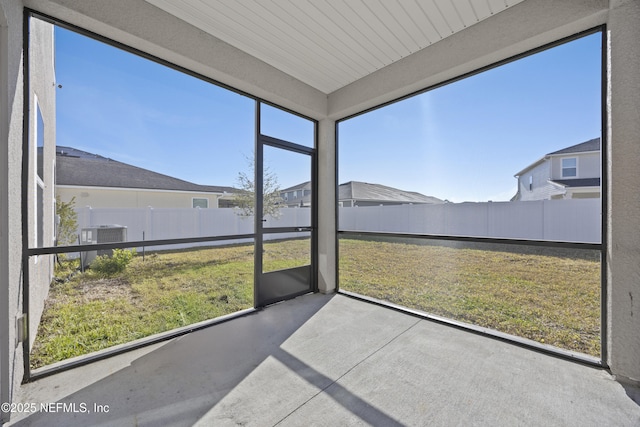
[{"x": 101, "y": 234}]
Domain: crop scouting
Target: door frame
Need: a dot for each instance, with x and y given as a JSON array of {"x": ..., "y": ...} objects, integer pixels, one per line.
[{"x": 260, "y": 230}]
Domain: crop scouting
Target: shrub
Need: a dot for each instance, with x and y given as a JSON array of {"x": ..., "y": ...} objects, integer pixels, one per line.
[
  {"x": 68, "y": 222},
  {"x": 116, "y": 263}
]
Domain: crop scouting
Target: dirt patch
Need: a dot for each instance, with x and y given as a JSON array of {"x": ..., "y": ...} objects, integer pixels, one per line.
[{"x": 104, "y": 289}]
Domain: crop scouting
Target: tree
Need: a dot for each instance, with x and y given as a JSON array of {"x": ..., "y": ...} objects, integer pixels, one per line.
[
  {"x": 67, "y": 221},
  {"x": 247, "y": 190}
]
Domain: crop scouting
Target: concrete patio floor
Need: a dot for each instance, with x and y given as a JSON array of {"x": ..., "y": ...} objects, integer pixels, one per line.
[{"x": 330, "y": 360}]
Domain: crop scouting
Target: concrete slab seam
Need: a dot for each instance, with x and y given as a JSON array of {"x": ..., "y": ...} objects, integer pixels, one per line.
[{"x": 349, "y": 370}]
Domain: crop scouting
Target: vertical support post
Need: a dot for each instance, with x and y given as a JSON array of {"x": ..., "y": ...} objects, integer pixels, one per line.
[
  {"x": 5, "y": 246},
  {"x": 623, "y": 201},
  {"x": 258, "y": 208},
  {"x": 327, "y": 200},
  {"x": 26, "y": 108}
]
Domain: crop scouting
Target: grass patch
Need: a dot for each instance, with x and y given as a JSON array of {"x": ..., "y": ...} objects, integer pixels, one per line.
[
  {"x": 90, "y": 311},
  {"x": 552, "y": 299}
]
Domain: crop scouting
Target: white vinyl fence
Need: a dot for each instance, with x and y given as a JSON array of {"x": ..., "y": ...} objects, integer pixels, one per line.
[
  {"x": 176, "y": 223},
  {"x": 572, "y": 220},
  {"x": 576, "y": 220}
]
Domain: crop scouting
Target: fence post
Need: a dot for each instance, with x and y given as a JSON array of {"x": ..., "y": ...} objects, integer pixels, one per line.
[
  {"x": 544, "y": 213},
  {"x": 148, "y": 223},
  {"x": 197, "y": 226}
]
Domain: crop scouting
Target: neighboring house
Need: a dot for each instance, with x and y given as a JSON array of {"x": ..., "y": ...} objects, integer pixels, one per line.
[
  {"x": 570, "y": 173},
  {"x": 101, "y": 182},
  {"x": 297, "y": 196},
  {"x": 355, "y": 193}
]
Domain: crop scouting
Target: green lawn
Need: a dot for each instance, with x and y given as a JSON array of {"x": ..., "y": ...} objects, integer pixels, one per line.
[
  {"x": 550, "y": 299},
  {"x": 165, "y": 291}
]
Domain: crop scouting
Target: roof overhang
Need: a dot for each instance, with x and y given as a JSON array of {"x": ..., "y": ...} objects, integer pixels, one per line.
[
  {"x": 576, "y": 184},
  {"x": 150, "y": 190},
  {"x": 573, "y": 154},
  {"x": 532, "y": 165}
]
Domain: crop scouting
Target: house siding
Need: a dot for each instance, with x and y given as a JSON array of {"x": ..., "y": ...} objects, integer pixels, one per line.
[
  {"x": 588, "y": 165},
  {"x": 132, "y": 198},
  {"x": 541, "y": 188}
]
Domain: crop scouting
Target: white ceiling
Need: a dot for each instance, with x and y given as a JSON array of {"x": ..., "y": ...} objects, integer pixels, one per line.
[{"x": 331, "y": 43}]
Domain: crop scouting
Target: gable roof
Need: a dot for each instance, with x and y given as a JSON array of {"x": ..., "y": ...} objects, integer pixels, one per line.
[
  {"x": 355, "y": 190},
  {"x": 80, "y": 168},
  {"x": 591, "y": 145},
  {"x": 302, "y": 186}
]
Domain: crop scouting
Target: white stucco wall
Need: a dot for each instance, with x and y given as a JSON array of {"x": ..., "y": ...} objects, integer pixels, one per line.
[
  {"x": 11, "y": 81},
  {"x": 42, "y": 97},
  {"x": 326, "y": 206},
  {"x": 623, "y": 252}
]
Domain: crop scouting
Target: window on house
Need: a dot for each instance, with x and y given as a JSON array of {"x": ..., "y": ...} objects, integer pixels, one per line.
[
  {"x": 530, "y": 183},
  {"x": 39, "y": 178},
  {"x": 200, "y": 203},
  {"x": 39, "y": 142},
  {"x": 570, "y": 167}
]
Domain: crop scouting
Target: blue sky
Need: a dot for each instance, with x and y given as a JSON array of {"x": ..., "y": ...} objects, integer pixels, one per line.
[
  {"x": 461, "y": 142},
  {"x": 127, "y": 108},
  {"x": 466, "y": 140}
]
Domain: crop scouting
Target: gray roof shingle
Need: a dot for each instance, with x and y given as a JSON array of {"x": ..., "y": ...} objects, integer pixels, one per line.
[
  {"x": 591, "y": 145},
  {"x": 583, "y": 147},
  {"x": 355, "y": 190},
  {"x": 580, "y": 182},
  {"x": 80, "y": 168},
  {"x": 303, "y": 186}
]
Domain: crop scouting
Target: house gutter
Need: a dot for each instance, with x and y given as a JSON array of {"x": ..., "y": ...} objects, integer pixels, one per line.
[
  {"x": 151, "y": 190},
  {"x": 532, "y": 165}
]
